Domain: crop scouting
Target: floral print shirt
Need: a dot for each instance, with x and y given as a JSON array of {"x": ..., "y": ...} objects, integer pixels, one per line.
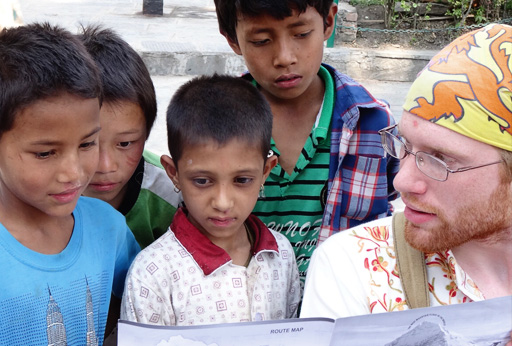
[{"x": 355, "y": 272}]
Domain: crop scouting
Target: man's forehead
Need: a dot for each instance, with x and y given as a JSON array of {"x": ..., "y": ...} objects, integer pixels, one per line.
[{"x": 432, "y": 136}]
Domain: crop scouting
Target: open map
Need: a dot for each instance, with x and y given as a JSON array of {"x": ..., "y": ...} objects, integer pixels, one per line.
[{"x": 486, "y": 323}]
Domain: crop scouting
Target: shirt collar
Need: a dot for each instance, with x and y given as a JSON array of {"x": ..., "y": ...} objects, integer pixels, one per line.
[
  {"x": 465, "y": 284},
  {"x": 445, "y": 264},
  {"x": 209, "y": 256},
  {"x": 323, "y": 119}
]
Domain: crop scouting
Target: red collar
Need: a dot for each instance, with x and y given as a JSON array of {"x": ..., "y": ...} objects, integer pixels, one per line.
[{"x": 209, "y": 256}]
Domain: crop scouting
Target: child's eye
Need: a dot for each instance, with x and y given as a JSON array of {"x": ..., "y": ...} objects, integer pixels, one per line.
[
  {"x": 124, "y": 144},
  {"x": 43, "y": 155},
  {"x": 243, "y": 180},
  {"x": 304, "y": 34},
  {"x": 201, "y": 181},
  {"x": 260, "y": 42},
  {"x": 88, "y": 145}
]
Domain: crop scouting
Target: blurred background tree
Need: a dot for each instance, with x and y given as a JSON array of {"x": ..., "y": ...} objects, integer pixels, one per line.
[{"x": 459, "y": 12}]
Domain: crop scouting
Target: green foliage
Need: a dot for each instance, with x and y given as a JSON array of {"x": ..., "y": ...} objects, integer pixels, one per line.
[
  {"x": 457, "y": 8},
  {"x": 483, "y": 11},
  {"x": 405, "y": 5},
  {"x": 429, "y": 8},
  {"x": 409, "y": 13},
  {"x": 480, "y": 15},
  {"x": 463, "y": 12}
]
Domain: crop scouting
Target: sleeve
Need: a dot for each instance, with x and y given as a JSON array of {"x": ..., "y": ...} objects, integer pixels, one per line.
[
  {"x": 127, "y": 249},
  {"x": 294, "y": 290},
  {"x": 143, "y": 300},
  {"x": 333, "y": 287}
]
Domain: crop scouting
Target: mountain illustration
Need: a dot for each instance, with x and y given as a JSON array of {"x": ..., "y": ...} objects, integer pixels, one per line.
[{"x": 430, "y": 334}]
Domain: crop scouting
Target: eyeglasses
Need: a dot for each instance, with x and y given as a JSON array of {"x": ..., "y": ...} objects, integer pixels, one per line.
[{"x": 429, "y": 165}]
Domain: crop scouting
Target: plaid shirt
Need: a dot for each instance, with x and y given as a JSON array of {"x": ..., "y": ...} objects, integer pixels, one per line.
[{"x": 360, "y": 173}]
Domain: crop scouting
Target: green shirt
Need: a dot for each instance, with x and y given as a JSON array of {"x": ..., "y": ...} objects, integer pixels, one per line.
[
  {"x": 294, "y": 204},
  {"x": 151, "y": 201}
]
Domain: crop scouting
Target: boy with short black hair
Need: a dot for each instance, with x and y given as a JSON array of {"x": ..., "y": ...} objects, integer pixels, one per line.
[
  {"x": 332, "y": 173},
  {"x": 217, "y": 263},
  {"x": 128, "y": 177},
  {"x": 62, "y": 254}
]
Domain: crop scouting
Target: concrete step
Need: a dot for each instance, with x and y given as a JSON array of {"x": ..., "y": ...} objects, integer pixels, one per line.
[
  {"x": 385, "y": 65},
  {"x": 186, "y": 41}
]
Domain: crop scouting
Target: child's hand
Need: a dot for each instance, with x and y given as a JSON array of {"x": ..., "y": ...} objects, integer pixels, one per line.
[{"x": 509, "y": 343}]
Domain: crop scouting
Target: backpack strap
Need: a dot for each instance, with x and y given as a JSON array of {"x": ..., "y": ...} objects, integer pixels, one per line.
[{"x": 411, "y": 267}]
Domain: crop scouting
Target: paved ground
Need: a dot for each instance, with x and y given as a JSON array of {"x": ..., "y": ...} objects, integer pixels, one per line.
[
  {"x": 187, "y": 25},
  {"x": 171, "y": 44},
  {"x": 393, "y": 92}
]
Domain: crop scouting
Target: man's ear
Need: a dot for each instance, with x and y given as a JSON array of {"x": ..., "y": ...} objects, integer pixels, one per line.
[
  {"x": 170, "y": 168},
  {"x": 330, "y": 21}
]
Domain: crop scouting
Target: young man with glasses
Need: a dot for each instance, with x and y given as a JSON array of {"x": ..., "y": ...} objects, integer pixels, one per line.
[{"x": 454, "y": 141}]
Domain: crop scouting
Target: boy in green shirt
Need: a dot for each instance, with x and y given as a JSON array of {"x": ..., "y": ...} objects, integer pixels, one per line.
[
  {"x": 332, "y": 171},
  {"x": 128, "y": 177}
]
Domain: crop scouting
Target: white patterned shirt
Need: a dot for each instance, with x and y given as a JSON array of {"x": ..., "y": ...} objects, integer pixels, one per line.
[
  {"x": 185, "y": 279},
  {"x": 355, "y": 273}
]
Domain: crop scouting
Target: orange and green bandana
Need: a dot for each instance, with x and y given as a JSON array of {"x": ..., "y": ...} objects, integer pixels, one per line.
[{"x": 467, "y": 87}]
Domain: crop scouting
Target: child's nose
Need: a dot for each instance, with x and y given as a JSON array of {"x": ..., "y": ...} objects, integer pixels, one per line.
[
  {"x": 70, "y": 169},
  {"x": 285, "y": 54},
  {"x": 107, "y": 162},
  {"x": 223, "y": 200}
]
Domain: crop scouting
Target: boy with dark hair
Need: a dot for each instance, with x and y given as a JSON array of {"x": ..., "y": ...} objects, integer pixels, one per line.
[
  {"x": 62, "y": 254},
  {"x": 332, "y": 172},
  {"x": 217, "y": 263},
  {"x": 128, "y": 177}
]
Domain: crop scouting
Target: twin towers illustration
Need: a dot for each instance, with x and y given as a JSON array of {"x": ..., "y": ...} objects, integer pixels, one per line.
[{"x": 55, "y": 328}]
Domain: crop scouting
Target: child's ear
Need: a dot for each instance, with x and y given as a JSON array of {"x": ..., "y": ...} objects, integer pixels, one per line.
[
  {"x": 170, "y": 168},
  {"x": 330, "y": 21},
  {"x": 234, "y": 45},
  {"x": 269, "y": 164}
]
